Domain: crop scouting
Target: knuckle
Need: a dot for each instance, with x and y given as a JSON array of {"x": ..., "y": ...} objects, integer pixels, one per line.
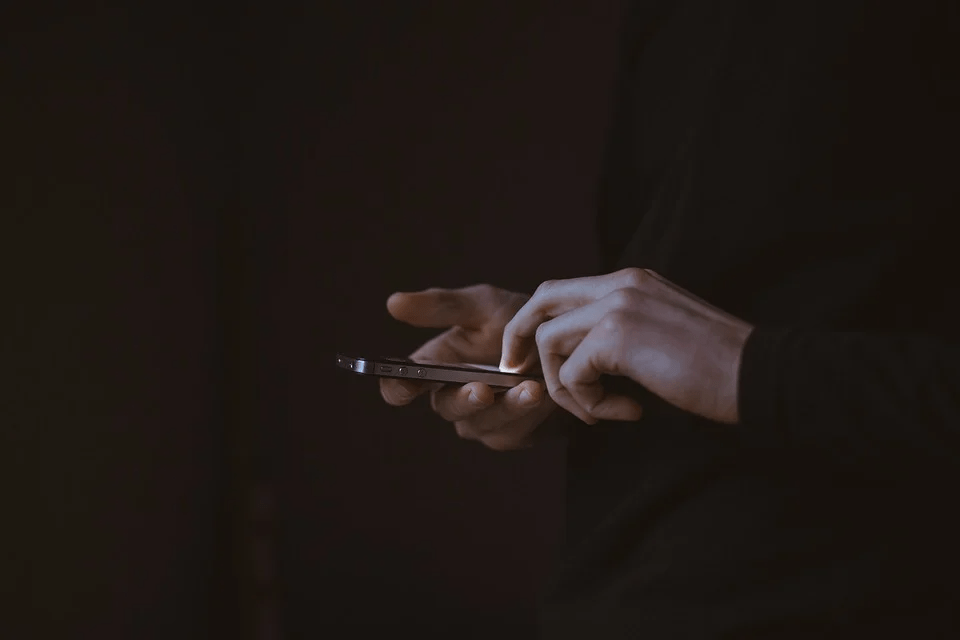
[
  {"x": 612, "y": 323},
  {"x": 625, "y": 298},
  {"x": 441, "y": 297},
  {"x": 634, "y": 277},
  {"x": 545, "y": 287}
]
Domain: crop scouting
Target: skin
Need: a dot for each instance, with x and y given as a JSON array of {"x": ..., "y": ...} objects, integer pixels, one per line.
[
  {"x": 473, "y": 319},
  {"x": 630, "y": 323}
]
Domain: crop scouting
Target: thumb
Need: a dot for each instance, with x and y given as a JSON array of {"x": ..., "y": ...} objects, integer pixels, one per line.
[{"x": 439, "y": 308}]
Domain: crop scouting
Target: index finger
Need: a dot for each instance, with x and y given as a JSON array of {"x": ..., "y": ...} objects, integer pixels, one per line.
[
  {"x": 551, "y": 299},
  {"x": 441, "y": 308}
]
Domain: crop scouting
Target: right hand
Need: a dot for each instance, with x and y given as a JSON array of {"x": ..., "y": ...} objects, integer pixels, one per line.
[{"x": 474, "y": 319}]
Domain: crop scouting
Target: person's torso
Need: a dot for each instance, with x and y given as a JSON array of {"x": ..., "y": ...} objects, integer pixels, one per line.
[{"x": 790, "y": 163}]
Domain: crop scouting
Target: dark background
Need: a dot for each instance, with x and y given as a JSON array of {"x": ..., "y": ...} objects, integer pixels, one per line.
[{"x": 199, "y": 210}]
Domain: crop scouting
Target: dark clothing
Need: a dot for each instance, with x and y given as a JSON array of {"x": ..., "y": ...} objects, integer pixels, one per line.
[{"x": 793, "y": 163}]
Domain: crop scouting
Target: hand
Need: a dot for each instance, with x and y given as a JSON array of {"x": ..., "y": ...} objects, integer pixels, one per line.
[
  {"x": 474, "y": 318},
  {"x": 629, "y": 323}
]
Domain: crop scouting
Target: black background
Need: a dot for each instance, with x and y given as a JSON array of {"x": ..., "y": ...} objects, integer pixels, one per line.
[{"x": 199, "y": 210}]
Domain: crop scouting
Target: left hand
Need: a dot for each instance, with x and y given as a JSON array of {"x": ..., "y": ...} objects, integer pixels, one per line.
[{"x": 631, "y": 323}]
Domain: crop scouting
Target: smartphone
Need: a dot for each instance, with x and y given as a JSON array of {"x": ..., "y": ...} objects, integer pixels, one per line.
[{"x": 460, "y": 373}]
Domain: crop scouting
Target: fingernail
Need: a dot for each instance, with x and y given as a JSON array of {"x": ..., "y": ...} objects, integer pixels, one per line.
[
  {"x": 509, "y": 367},
  {"x": 475, "y": 400},
  {"x": 527, "y": 399}
]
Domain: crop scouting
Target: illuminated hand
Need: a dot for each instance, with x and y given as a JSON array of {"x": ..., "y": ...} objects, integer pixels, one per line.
[
  {"x": 473, "y": 319},
  {"x": 630, "y": 323}
]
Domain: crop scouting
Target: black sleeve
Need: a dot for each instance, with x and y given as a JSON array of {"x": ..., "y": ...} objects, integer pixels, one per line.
[
  {"x": 639, "y": 23},
  {"x": 851, "y": 392}
]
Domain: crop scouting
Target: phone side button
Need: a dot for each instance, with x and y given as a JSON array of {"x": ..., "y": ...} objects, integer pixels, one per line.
[
  {"x": 385, "y": 369},
  {"x": 402, "y": 371},
  {"x": 421, "y": 373}
]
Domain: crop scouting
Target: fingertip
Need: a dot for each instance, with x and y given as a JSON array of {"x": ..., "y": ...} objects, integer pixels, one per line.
[
  {"x": 397, "y": 393},
  {"x": 533, "y": 387},
  {"x": 529, "y": 394},
  {"x": 507, "y": 350},
  {"x": 479, "y": 393},
  {"x": 510, "y": 362},
  {"x": 395, "y": 302},
  {"x": 519, "y": 359},
  {"x": 619, "y": 408}
]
